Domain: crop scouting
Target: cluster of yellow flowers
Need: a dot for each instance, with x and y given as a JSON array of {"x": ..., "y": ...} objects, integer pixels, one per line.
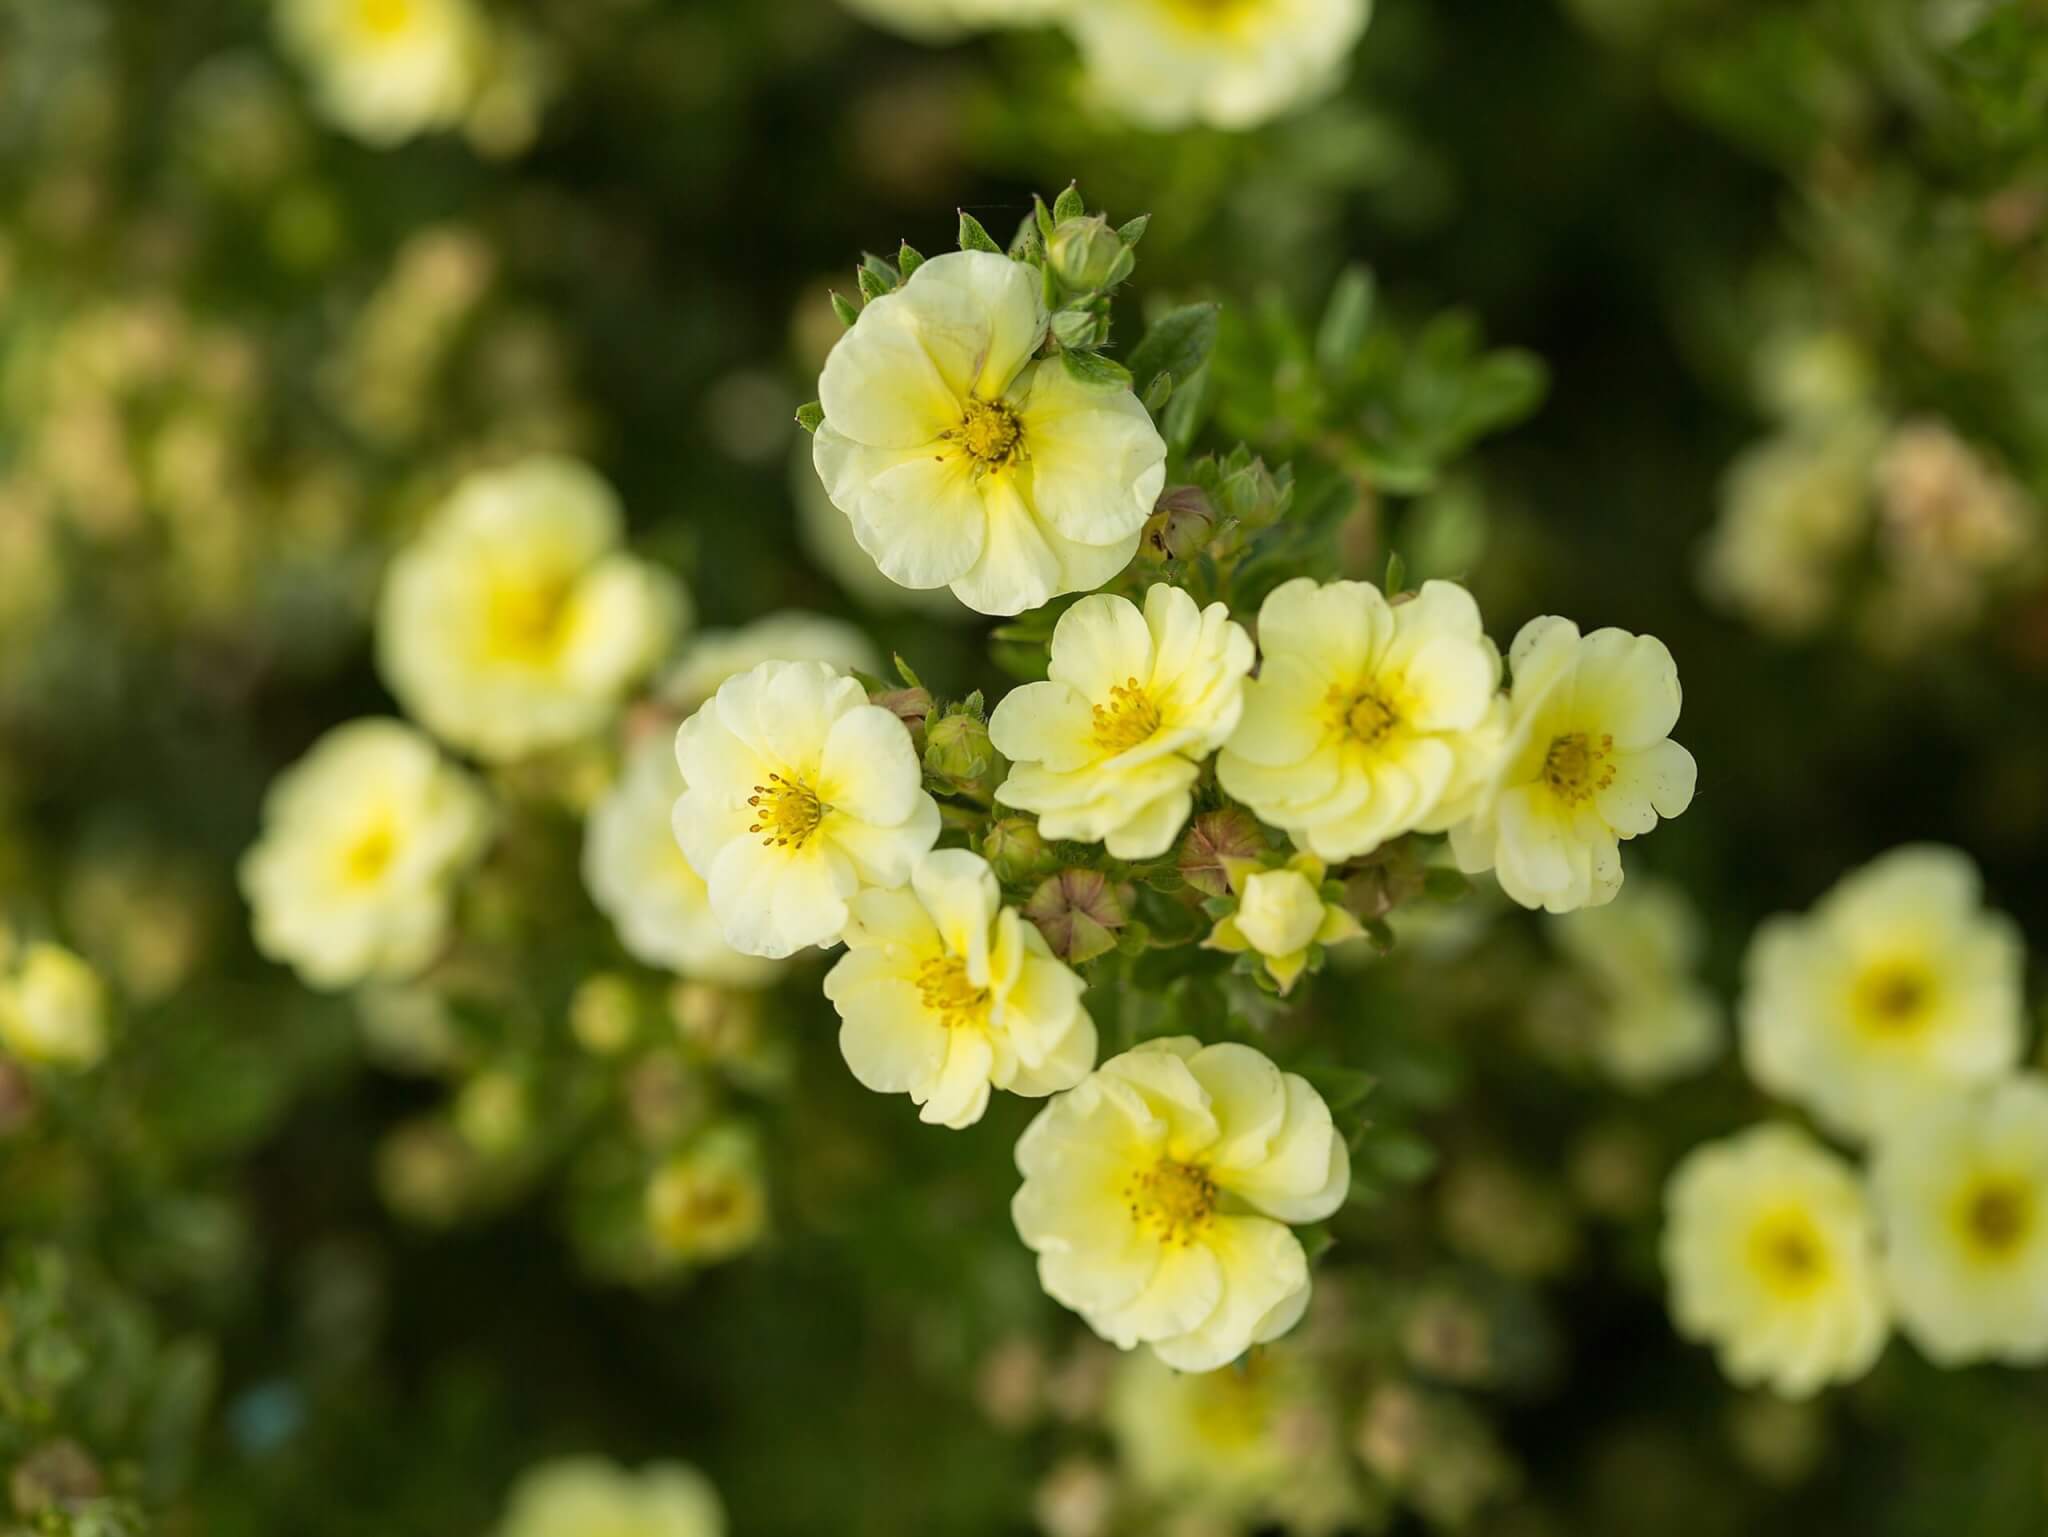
[
  {"x": 1893, "y": 1012},
  {"x": 1169, "y": 63}
]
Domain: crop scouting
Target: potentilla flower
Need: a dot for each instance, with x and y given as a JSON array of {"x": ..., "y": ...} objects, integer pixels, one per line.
[
  {"x": 363, "y": 841},
  {"x": 1588, "y": 762},
  {"x": 515, "y": 622},
  {"x": 1158, "y": 1192},
  {"x": 1108, "y": 748},
  {"x": 53, "y": 1007},
  {"x": 1656, "y": 1021},
  {"x": 1367, "y": 719},
  {"x": 940, "y": 20},
  {"x": 1961, "y": 1189},
  {"x": 1770, "y": 1257},
  {"x": 799, "y": 792},
  {"x": 585, "y": 1496},
  {"x": 386, "y": 70},
  {"x": 963, "y": 462},
  {"x": 709, "y": 1202},
  {"x": 712, "y": 656},
  {"x": 1281, "y": 916},
  {"x": 1227, "y": 63},
  {"x": 1897, "y": 986},
  {"x": 945, "y": 994},
  {"x": 639, "y": 878}
]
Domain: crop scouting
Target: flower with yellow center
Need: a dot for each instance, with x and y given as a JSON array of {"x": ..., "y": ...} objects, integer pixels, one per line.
[
  {"x": 1770, "y": 1257},
  {"x": 945, "y": 994},
  {"x": 1899, "y": 985},
  {"x": 387, "y": 70},
  {"x": 1158, "y": 1192},
  {"x": 1656, "y": 1021},
  {"x": 1226, "y": 63},
  {"x": 53, "y": 1007},
  {"x": 709, "y": 1202},
  {"x": 363, "y": 840},
  {"x": 1281, "y": 916},
  {"x": 589, "y": 1497},
  {"x": 1108, "y": 748},
  {"x": 515, "y": 622},
  {"x": 798, "y": 792},
  {"x": 1588, "y": 762},
  {"x": 1367, "y": 719},
  {"x": 962, "y": 461},
  {"x": 712, "y": 656},
  {"x": 636, "y": 873},
  {"x": 1961, "y": 1188},
  {"x": 943, "y": 20}
]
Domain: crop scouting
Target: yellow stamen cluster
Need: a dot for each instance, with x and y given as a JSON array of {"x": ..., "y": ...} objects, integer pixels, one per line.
[
  {"x": 385, "y": 18},
  {"x": 525, "y": 619},
  {"x": 1577, "y": 767},
  {"x": 1175, "y": 1200},
  {"x": 1368, "y": 716},
  {"x": 943, "y": 984},
  {"x": 990, "y": 433},
  {"x": 1129, "y": 718},
  {"x": 1789, "y": 1254},
  {"x": 371, "y": 854},
  {"x": 1997, "y": 1214},
  {"x": 789, "y": 812},
  {"x": 1894, "y": 998}
]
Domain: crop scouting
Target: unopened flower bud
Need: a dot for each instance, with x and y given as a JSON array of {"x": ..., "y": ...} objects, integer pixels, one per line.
[
  {"x": 604, "y": 1013},
  {"x": 1086, "y": 255},
  {"x": 958, "y": 752},
  {"x": 909, "y": 705},
  {"x": 1181, "y": 526},
  {"x": 491, "y": 1112},
  {"x": 1213, "y": 838},
  {"x": 1015, "y": 850},
  {"x": 709, "y": 1203},
  {"x": 1079, "y": 912}
]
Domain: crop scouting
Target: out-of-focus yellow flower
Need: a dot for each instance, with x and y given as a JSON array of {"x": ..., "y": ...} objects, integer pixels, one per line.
[
  {"x": 945, "y": 993},
  {"x": 53, "y": 1007},
  {"x": 641, "y": 880},
  {"x": 963, "y": 462},
  {"x": 939, "y": 20},
  {"x": 589, "y": 1497},
  {"x": 1246, "y": 1446},
  {"x": 1898, "y": 986},
  {"x": 1657, "y": 1022},
  {"x": 1962, "y": 1191},
  {"x": 1367, "y": 719},
  {"x": 515, "y": 622},
  {"x": 1157, "y": 1195},
  {"x": 1109, "y": 747},
  {"x": 709, "y": 1202},
  {"x": 1588, "y": 762},
  {"x": 387, "y": 70},
  {"x": 1226, "y": 63},
  {"x": 1280, "y": 915},
  {"x": 363, "y": 839},
  {"x": 1770, "y": 1257},
  {"x": 712, "y": 656},
  {"x": 1793, "y": 508},
  {"x": 799, "y": 792}
]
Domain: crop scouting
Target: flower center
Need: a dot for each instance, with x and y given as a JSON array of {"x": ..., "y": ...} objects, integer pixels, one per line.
[
  {"x": 526, "y": 619},
  {"x": 1211, "y": 15},
  {"x": 1369, "y": 717},
  {"x": 1174, "y": 1200},
  {"x": 1129, "y": 718},
  {"x": 1894, "y": 998},
  {"x": 990, "y": 433},
  {"x": 1576, "y": 767},
  {"x": 1997, "y": 1216},
  {"x": 370, "y": 855},
  {"x": 942, "y": 981},
  {"x": 384, "y": 18},
  {"x": 788, "y": 812},
  {"x": 1789, "y": 1254}
]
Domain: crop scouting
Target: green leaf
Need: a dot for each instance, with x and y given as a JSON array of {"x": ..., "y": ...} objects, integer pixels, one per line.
[
  {"x": 1042, "y": 217},
  {"x": 1397, "y": 574},
  {"x": 1179, "y": 343},
  {"x": 903, "y": 671},
  {"x": 1069, "y": 205},
  {"x": 810, "y": 416},
  {"x": 1341, "y": 1087},
  {"x": 1130, "y": 234},
  {"x": 844, "y": 308},
  {"x": 1440, "y": 883},
  {"x": 1092, "y": 368},
  {"x": 1345, "y": 321},
  {"x": 974, "y": 238},
  {"x": 872, "y": 286},
  {"x": 908, "y": 259},
  {"x": 1158, "y": 392},
  {"x": 1187, "y": 410}
]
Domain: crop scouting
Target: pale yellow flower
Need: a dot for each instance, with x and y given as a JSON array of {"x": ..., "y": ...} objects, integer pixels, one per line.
[
  {"x": 1794, "y": 507},
  {"x": 53, "y": 1007},
  {"x": 942, "y": 20},
  {"x": 590, "y": 1497},
  {"x": 363, "y": 840},
  {"x": 792, "y": 635},
  {"x": 1897, "y": 986},
  {"x": 515, "y": 622},
  {"x": 945, "y": 994},
  {"x": 387, "y": 70},
  {"x": 637, "y": 874},
  {"x": 1657, "y": 1022},
  {"x": 1367, "y": 719},
  {"x": 799, "y": 792},
  {"x": 1961, "y": 1189},
  {"x": 1158, "y": 1192},
  {"x": 709, "y": 1202},
  {"x": 964, "y": 462},
  {"x": 1108, "y": 749},
  {"x": 1280, "y": 915},
  {"x": 1226, "y": 63},
  {"x": 1588, "y": 762},
  {"x": 1770, "y": 1256}
]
